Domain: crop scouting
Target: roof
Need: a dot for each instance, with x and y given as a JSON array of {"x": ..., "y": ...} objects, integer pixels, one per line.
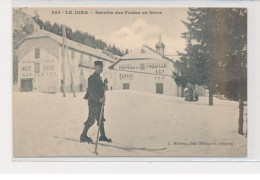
[
  {"x": 113, "y": 56},
  {"x": 71, "y": 44},
  {"x": 163, "y": 56},
  {"x": 145, "y": 53}
]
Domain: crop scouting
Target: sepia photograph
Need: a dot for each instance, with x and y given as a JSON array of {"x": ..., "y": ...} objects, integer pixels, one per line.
[{"x": 129, "y": 82}]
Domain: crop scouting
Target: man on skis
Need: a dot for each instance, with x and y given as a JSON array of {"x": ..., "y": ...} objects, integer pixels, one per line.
[{"x": 95, "y": 96}]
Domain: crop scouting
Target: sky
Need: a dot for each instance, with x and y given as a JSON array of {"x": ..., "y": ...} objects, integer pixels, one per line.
[{"x": 125, "y": 30}]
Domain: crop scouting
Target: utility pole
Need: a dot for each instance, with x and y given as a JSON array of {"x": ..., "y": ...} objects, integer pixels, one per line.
[
  {"x": 71, "y": 77},
  {"x": 63, "y": 60}
]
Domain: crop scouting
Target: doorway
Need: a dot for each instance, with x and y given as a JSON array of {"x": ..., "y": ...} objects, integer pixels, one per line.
[
  {"x": 26, "y": 85},
  {"x": 159, "y": 88},
  {"x": 126, "y": 86}
]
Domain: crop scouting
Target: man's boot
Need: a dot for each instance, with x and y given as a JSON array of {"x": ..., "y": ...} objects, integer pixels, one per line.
[
  {"x": 83, "y": 136},
  {"x": 103, "y": 135}
]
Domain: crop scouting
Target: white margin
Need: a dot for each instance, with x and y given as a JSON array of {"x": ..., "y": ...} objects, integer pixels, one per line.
[{"x": 59, "y": 165}]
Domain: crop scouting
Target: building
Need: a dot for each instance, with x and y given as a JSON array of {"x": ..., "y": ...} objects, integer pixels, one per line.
[
  {"x": 40, "y": 64},
  {"x": 160, "y": 46},
  {"x": 146, "y": 70}
]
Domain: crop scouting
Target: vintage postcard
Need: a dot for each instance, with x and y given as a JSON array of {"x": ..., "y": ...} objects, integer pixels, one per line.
[{"x": 129, "y": 82}]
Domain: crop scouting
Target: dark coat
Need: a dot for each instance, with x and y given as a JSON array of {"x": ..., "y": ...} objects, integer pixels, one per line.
[{"x": 95, "y": 89}]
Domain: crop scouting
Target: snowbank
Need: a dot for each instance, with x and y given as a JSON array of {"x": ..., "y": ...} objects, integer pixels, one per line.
[{"x": 48, "y": 125}]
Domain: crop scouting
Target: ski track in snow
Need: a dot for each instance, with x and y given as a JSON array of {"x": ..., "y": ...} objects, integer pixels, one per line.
[{"x": 135, "y": 121}]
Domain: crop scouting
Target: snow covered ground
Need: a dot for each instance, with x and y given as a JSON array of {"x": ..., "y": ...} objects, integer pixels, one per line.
[{"x": 47, "y": 125}]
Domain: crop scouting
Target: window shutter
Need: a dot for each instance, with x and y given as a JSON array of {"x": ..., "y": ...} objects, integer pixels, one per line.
[
  {"x": 37, "y": 53},
  {"x": 36, "y": 67}
]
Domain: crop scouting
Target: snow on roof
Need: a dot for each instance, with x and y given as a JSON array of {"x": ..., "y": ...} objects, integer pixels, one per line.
[
  {"x": 113, "y": 56},
  {"x": 173, "y": 57},
  {"x": 163, "y": 56},
  {"x": 72, "y": 44},
  {"x": 145, "y": 52}
]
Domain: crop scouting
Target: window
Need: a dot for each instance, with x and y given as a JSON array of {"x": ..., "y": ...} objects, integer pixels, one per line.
[
  {"x": 159, "y": 88},
  {"x": 37, "y": 53},
  {"x": 81, "y": 71},
  {"x": 81, "y": 87},
  {"x": 72, "y": 69},
  {"x": 82, "y": 61},
  {"x": 126, "y": 86},
  {"x": 142, "y": 66},
  {"x": 36, "y": 67},
  {"x": 90, "y": 61},
  {"x": 72, "y": 54},
  {"x": 52, "y": 67}
]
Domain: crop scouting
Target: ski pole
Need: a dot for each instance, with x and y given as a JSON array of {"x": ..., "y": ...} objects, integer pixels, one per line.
[{"x": 99, "y": 121}]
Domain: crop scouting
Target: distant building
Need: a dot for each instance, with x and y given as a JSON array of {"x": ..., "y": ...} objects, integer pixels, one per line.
[
  {"x": 40, "y": 62},
  {"x": 146, "y": 70}
]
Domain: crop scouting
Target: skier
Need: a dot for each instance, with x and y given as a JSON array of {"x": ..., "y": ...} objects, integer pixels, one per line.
[{"x": 95, "y": 93}]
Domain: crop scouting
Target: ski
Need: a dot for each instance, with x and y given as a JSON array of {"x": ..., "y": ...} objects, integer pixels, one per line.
[{"x": 114, "y": 145}]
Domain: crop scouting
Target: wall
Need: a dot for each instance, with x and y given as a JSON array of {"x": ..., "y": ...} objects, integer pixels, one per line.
[
  {"x": 51, "y": 66},
  {"x": 81, "y": 74},
  {"x": 47, "y": 79},
  {"x": 146, "y": 82}
]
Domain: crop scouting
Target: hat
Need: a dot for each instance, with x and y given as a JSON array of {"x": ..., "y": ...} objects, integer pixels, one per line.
[{"x": 98, "y": 63}]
